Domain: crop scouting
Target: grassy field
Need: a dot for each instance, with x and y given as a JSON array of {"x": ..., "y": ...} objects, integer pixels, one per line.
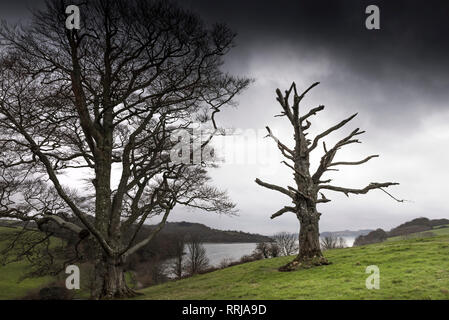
[
  {"x": 409, "y": 269},
  {"x": 416, "y": 268}
]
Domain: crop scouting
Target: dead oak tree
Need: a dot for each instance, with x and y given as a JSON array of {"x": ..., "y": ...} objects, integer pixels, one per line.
[
  {"x": 106, "y": 100},
  {"x": 308, "y": 186}
]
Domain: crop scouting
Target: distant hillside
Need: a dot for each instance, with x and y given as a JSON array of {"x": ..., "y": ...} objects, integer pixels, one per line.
[
  {"x": 375, "y": 236},
  {"x": 346, "y": 233},
  {"x": 416, "y": 225},
  {"x": 407, "y": 228},
  {"x": 208, "y": 234}
]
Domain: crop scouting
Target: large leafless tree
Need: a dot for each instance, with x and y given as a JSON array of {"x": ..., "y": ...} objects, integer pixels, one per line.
[
  {"x": 105, "y": 100},
  {"x": 309, "y": 186}
]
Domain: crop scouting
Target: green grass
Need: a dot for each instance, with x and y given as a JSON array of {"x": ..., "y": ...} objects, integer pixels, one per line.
[
  {"x": 410, "y": 269},
  {"x": 416, "y": 268}
]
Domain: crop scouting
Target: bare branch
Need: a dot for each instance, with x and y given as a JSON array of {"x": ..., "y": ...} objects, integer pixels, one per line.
[
  {"x": 282, "y": 211},
  {"x": 280, "y": 145},
  {"x": 347, "y": 191},
  {"x": 130, "y": 251},
  {"x": 398, "y": 200},
  {"x": 312, "y": 112},
  {"x": 284, "y": 104},
  {"x": 353, "y": 162},
  {"x": 307, "y": 90},
  {"x": 327, "y": 158},
  {"x": 328, "y": 131},
  {"x": 323, "y": 199},
  {"x": 296, "y": 171},
  {"x": 275, "y": 187}
]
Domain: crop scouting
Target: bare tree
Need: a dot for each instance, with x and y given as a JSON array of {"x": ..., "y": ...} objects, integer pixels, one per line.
[
  {"x": 308, "y": 186},
  {"x": 107, "y": 99},
  {"x": 196, "y": 260},
  {"x": 332, "y": 242},
  {"x": 178, "y": 254},
  {"x": 287, "y": 242}
]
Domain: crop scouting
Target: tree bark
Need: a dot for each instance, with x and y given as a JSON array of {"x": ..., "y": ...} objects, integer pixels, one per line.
[
  {"x": 309, "y": 243},
  {"x": 110, "y": 281}
]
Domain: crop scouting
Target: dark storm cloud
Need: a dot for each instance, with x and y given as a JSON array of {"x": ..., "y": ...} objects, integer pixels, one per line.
[
  {"x": 410, "y": 50},
  {"x": 409, "y": 29},
  {"x": 14, "y": 11}
]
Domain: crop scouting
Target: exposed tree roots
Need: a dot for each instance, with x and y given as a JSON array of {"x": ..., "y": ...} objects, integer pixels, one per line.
[
  {"x": 123, "y": 293},
  {"x": 304, "y": 263}
]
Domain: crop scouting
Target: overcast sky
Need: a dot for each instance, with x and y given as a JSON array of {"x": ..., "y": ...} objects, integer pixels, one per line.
[{"x": 396, "y": 78}]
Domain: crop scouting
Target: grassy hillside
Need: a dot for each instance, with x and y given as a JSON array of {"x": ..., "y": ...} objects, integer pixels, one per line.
[
  {"x": 409, "y": 269},
  {"x": 416, "y": 268},
  {"x": 11, "y": 284},
  {"x": 435, "y": 231}
]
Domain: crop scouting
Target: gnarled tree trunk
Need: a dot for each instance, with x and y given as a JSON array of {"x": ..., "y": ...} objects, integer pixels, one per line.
[
  {"x": 110, "y": 281},
  {"x": 309, "y": 243}
]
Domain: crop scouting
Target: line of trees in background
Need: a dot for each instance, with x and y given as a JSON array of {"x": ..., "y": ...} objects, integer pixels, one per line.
[{"x": 286, "y": 244}]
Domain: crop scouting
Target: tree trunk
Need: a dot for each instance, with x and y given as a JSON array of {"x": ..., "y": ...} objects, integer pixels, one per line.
[
  {"x": 110, "y": 280},
  {"x": 309, "y": 244}
]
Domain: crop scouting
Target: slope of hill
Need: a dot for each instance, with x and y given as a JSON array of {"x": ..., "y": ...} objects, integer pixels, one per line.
[{"x": 409, "y": 269}]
